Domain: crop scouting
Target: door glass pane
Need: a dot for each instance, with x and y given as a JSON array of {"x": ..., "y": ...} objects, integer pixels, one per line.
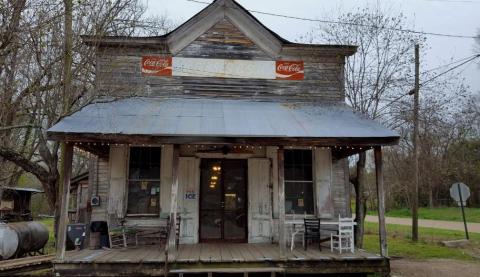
[
  {"x": 235, "y": 199},
  {"x": 211, "y": 211}
]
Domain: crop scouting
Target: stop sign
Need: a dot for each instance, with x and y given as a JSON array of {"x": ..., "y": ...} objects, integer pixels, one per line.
[{"x": 460, "y": 189}]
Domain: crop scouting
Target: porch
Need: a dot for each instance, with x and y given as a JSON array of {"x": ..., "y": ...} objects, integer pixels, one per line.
[{"x": 210, "y": 258}]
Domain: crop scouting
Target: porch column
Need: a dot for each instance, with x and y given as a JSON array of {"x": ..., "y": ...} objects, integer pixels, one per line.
[
  {"x": 173, "y": 202},
  {"x": 282, "y": 241},
  {"x": 65, "y": 195},
  {"x": 381, "y": 201}
]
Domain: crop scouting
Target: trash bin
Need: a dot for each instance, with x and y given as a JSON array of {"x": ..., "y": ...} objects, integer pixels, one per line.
[
  {"x": 76, "y": 236},
  {"x": 99, "y": 235}
]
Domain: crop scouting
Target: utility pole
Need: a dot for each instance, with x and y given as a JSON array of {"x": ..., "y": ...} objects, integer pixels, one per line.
[{"x": 415, "y": 145}]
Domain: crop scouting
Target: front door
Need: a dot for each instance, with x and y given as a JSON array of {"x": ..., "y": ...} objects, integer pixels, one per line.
[{"x": 223, "y": 203}]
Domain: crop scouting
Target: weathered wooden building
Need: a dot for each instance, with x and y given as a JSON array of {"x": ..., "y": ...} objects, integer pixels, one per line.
[{"x": 234, "y": 129}]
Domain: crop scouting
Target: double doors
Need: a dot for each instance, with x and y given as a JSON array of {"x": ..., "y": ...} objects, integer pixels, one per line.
[{"x": 223, "y": 200}]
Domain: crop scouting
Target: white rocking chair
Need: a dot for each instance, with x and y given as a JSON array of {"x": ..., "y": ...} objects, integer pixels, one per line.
[{"x": 344, "y": 239}]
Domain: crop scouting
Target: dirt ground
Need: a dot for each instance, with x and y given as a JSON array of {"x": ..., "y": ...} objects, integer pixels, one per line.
[{"x": 433, "y": 268}]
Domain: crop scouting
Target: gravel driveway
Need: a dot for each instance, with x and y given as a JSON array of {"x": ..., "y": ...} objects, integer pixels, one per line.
[{"x": 439, "y": 224}]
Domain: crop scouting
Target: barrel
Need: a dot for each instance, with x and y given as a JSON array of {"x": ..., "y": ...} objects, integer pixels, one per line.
[
  {"x": 25, "y": 237},
  {"x": 8, "y": 242}
]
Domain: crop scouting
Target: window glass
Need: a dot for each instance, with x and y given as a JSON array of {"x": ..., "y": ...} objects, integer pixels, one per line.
[
  {"x": 144, "y": 181},
  {"x": 298, "y": 182}
]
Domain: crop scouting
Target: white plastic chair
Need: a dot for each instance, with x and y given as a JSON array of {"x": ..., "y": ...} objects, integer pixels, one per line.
[
  {"x": 344, "y": 239},
  {"x": 297, "y": 230}
]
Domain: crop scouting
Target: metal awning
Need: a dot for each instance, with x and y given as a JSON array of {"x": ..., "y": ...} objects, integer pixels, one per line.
[{"x": 219, "y": 118}]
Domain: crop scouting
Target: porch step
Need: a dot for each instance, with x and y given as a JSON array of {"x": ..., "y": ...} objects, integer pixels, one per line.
[{"x": 227, "y": 270}]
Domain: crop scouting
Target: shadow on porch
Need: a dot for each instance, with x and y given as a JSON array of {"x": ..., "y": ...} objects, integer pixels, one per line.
[{"x": 217, "y": 258}]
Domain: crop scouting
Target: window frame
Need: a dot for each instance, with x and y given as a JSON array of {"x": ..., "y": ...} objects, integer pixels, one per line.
[
  {"x": 127, "y": 192},
  {"x": 312, "y": 182}
]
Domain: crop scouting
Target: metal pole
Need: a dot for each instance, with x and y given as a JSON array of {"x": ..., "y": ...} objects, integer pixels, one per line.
[
  {"x": 463, "y": 211},
  {"x": 415, "y": 146}
]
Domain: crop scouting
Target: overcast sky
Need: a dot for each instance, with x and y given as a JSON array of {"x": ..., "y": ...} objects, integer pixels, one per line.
[{"x": 459, "y": 17}]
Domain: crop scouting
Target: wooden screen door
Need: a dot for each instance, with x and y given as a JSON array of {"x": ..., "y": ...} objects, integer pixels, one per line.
[{"x": 223, "y": 203}]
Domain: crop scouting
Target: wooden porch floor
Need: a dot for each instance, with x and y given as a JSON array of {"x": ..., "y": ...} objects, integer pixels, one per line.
[{"x": 222, "y": 257}]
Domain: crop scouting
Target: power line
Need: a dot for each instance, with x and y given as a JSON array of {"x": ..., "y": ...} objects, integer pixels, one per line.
[
  {"x": 350, "y": 23},
  {"x": 449, "y": 64},
  {"x": 429, "y": 80},
  {"x": 453, "y": 68}
]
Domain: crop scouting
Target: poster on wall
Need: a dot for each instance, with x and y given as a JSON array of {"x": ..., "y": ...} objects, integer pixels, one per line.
[
  {"x": 157, "y": 65},
  {"x": 222, "y": 68},
  {"x": 290, "y": 70}
]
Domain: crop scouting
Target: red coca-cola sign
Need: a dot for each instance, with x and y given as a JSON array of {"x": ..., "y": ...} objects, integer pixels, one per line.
[
  {"x": 290, "y": 70},
  {"x": 157, "y": 65}
]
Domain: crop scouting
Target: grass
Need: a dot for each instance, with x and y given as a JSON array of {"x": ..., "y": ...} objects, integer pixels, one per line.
[
  {"x": 450, "y": 214},
  {"x": 400, "y": 243}
]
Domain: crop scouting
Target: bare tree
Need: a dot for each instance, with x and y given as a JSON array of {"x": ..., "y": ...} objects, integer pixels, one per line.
[
  {"x": 33, "y": 93},
  {"x": 375, "y": 76}
]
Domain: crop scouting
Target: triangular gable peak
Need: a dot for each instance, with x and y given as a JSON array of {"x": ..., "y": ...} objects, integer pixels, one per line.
[{"x": 219, "y": 14}]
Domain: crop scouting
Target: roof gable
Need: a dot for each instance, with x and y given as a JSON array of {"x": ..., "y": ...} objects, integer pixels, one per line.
[
  {"x": 224, "y": 41},
  {"x": 217, "y": 12}
]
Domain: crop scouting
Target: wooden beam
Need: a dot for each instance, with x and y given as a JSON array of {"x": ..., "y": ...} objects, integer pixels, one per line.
[
  {"x": 65, "y": 193},
  {"x": 174, "y": 199},
  {"x": 282, "y": 240},
  {"x": 381, "y": 201},
  {"x": 86, "y": 138}
]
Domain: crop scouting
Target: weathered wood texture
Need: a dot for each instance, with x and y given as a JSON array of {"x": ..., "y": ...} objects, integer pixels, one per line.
[
  {"x": 120, "y": 75},
  {"x": 341, "y": 199},
  {"x": 188, "y": 209},
  {"x": 282, "y": 238},
  {"x": 166, "y": 178},
  {"x": 220, "y": 258},
  {"x": 381, "y": 201},
  {"x": 101, "y": 187},
  {"x": 65, "y": 195},
  {"x": 259, "y": 201},
  {"x": 118, "y": 164},
  {"x": 224, "y": 41},
  {"x": 323, "y": 182}
]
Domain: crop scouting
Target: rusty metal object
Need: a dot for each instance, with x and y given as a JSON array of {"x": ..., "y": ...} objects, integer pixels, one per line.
[{"x": 24, "y": 237}]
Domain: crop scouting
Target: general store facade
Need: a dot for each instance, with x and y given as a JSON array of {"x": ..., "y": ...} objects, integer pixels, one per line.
[{"x": 230, "y": 127}]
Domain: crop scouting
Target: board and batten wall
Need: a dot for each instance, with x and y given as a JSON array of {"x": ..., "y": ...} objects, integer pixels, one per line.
[{"x": 331, "y": 188}]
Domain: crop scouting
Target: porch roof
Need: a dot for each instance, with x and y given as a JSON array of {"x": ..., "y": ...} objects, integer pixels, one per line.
[{"x": 219, "y": 118}]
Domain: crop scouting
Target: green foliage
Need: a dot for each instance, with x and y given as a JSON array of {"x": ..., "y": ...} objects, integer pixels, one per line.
[
  {"x": 450, "y": 214},
  {"x": 400, "y": 244}
]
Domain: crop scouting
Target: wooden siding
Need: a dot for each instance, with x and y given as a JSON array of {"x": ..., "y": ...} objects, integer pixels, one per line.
[
  {"x": 323, "y": 182},
  {"x": 101, "y": 188},
  {"x": 188, "y": 209},
  {"x": 166, "y": 178},
  {"x": 224, "y": 41},
  {"x": 259, "y": 201},
  {"x": 341, "y": 188},
  {"x": 119, "y": 74},
  {"x": 118, "y": 181}
]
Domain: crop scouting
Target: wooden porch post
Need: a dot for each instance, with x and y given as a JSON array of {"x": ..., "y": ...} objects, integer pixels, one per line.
[
  {"x": 173, "y": 203},
  {"x": 282, "y": 240},
  {"x": 381, "y": 201},
  {"x": 65, "y": 193}
]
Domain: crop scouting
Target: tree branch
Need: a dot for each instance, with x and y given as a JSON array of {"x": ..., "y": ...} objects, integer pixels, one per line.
[{"x": 11, "y": 155}]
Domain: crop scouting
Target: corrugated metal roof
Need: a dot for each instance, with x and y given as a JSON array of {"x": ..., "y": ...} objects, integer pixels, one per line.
[{"x": 220, "y": 118}]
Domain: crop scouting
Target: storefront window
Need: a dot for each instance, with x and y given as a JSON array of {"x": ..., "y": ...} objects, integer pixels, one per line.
[
  {"x": 144, "y": 181},
  {"x": 298, "y": 182}
]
